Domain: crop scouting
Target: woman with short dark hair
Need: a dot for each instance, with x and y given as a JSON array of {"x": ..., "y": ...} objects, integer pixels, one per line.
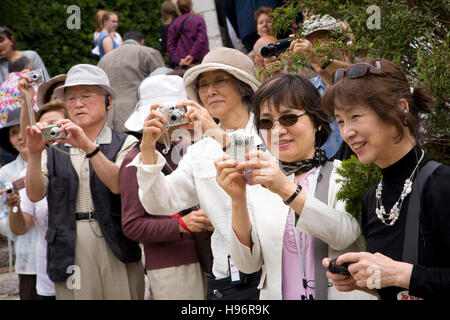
[
  {"x": 288, "y": 219},
  {"x": 405, "y": 218}
]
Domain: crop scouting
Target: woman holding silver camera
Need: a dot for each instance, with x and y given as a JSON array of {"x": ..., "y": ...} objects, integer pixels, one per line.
[
  {"x": 224, "y": 84},
  {"x": 9, "y": 53},
  {"x": 289, "y": 219}
]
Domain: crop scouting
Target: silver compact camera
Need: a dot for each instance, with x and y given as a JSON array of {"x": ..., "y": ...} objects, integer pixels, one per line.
[
  {"x": 241, "y": 144},
  {"x": 37, "y": 76},
  {"x": 53, "y": 132},
  {"x": 9, "y": 186},
  {"x": 175, "y": 116}
]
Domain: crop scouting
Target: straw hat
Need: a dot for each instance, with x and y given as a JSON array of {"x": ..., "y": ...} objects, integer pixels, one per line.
[{"x": 230, "y": 60}]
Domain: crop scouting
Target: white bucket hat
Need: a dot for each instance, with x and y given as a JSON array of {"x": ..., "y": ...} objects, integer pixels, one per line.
[
  {"x": 86, "y": 75},
  {"x": 163, "y": 89},
  {"x": 229, "y": 60}
]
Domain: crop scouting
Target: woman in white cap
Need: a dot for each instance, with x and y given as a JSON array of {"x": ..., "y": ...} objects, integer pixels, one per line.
[{"x": 224, "y": 84}]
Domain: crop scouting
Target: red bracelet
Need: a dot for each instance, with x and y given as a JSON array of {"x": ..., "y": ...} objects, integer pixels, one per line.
[{"x": 180, "y": 221}]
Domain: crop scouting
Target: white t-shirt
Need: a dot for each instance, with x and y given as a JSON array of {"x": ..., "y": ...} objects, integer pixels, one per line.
[{"x": 39, "y": 212}]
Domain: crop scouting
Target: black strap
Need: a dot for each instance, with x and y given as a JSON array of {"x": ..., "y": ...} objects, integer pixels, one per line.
[
  {"x": 411, "y": 241},
  {"x": 320, "y": 247}
]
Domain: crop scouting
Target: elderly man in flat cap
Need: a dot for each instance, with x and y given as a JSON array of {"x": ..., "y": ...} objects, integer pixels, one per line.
[{"x": 88, "y": 255}]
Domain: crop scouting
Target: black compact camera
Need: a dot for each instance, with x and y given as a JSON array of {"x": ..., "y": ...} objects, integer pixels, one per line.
[
  {"x": 274, "y": 49},
  {"x": 339, "y": 268}
]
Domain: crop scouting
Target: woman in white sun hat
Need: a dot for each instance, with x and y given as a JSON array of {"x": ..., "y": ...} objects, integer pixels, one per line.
[{"x": 224, "y": 84}]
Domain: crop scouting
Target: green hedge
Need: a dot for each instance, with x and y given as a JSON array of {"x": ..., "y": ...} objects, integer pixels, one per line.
[{"x": 42, "y": 26}]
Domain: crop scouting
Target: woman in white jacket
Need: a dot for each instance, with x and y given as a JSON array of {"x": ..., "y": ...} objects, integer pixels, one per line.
[
  {"x": 223, "y": 83},
  {"x": 288, "y": 239}
]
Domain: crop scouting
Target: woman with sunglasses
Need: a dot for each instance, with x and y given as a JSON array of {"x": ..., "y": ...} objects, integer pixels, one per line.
[
  {"x": 224, "y": 84},
  {"x": 9, "y": 53},
  {"x": 279, "y": 222},
  {"x": 405, "y": 217}
]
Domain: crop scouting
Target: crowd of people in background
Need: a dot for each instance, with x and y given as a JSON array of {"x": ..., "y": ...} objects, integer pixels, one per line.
[{"x": 121, "y": 180}]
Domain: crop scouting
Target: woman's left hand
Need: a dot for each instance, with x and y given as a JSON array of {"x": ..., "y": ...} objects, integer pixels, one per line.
[
  {"x": 265, "y": 171},
  {"x": 375, "y": 271}
]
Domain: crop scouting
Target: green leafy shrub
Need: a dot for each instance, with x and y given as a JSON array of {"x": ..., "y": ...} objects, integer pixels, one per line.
[
  {"x": 412, "y": 34},
  {"x": 356, "y": 179}
]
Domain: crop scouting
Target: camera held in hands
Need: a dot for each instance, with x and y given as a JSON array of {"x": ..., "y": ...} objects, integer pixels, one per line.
[
  {"x": 274, "y": 49},
  {"x": 339, "y": 268},
  {"x": 37, "y": 76},
  {"x": 175, "y": 115},
  {"x": 241, "y": 144},
  {"x": 9, "y": 186},
  {"x": 53, "y": 132}
]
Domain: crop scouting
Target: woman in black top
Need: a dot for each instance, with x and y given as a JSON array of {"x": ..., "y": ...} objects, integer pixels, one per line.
[{"x": 378, "y": 116}]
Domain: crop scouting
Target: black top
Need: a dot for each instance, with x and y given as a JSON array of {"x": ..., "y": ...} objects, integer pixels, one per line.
[{"x": 431, "y": 277}]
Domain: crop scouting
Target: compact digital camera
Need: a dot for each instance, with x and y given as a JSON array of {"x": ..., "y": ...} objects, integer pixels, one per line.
[
  {"x": 241, "y": 144},
  {"x": 175, "y": 115},
  {"x": 37, "y": 76},
  {"x": 53, "y": 132}
]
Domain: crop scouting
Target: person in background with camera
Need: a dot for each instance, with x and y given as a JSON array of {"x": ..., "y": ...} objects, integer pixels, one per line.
[
  {"x": 317, "y": 30},
  {"x": 24, "y": 245},
  {"x": 80, "y": 177},
  {"x": 12, "y": 98},
  {"x": 405, "y": 217},
  {"x": 31, "y": 214},
  {"x": 187, "y": 40},
  {"x": 289, "y": 219},
  {"x": 9, "y": 53},
  {"x": 109, "y": 39},
  {"x": 260, "y": 68},
  {"x": 224, "y": 84},
  {"x": 177, "y": 248}
]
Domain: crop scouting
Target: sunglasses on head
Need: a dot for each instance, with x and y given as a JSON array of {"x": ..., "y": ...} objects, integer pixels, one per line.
[
  {"x": 358, "y": 70},
  {"x": 287, "y": 120}
]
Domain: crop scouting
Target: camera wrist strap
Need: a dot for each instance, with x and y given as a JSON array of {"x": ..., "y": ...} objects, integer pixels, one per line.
[{"x": 166, "y": 139}]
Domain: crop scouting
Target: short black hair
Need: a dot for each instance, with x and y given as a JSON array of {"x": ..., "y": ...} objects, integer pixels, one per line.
[
  {"x": 134, "y": 35},
  {"x": 296, "y": 92},
  {"x": 19, "y": 64}
]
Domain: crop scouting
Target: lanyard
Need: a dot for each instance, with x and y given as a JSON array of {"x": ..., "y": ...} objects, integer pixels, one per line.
[{"x": 300, "y": 252}]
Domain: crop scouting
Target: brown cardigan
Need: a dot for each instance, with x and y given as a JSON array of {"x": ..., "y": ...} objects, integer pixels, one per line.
[{"x": 164, "y": 245}]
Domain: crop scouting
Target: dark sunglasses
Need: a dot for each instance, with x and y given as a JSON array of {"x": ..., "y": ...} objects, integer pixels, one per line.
[
  {"x": 287, "y": 120},
  {"x": 358, "y": 70}
]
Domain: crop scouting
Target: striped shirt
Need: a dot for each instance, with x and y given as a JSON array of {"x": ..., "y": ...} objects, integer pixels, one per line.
[{"x": 84, "y": 201}]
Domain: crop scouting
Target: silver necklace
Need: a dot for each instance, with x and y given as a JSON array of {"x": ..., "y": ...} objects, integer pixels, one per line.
[{"x": 394, "y": 213}]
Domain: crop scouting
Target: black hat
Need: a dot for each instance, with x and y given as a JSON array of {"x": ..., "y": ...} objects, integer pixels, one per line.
[{"x": 13, "y": 120}]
